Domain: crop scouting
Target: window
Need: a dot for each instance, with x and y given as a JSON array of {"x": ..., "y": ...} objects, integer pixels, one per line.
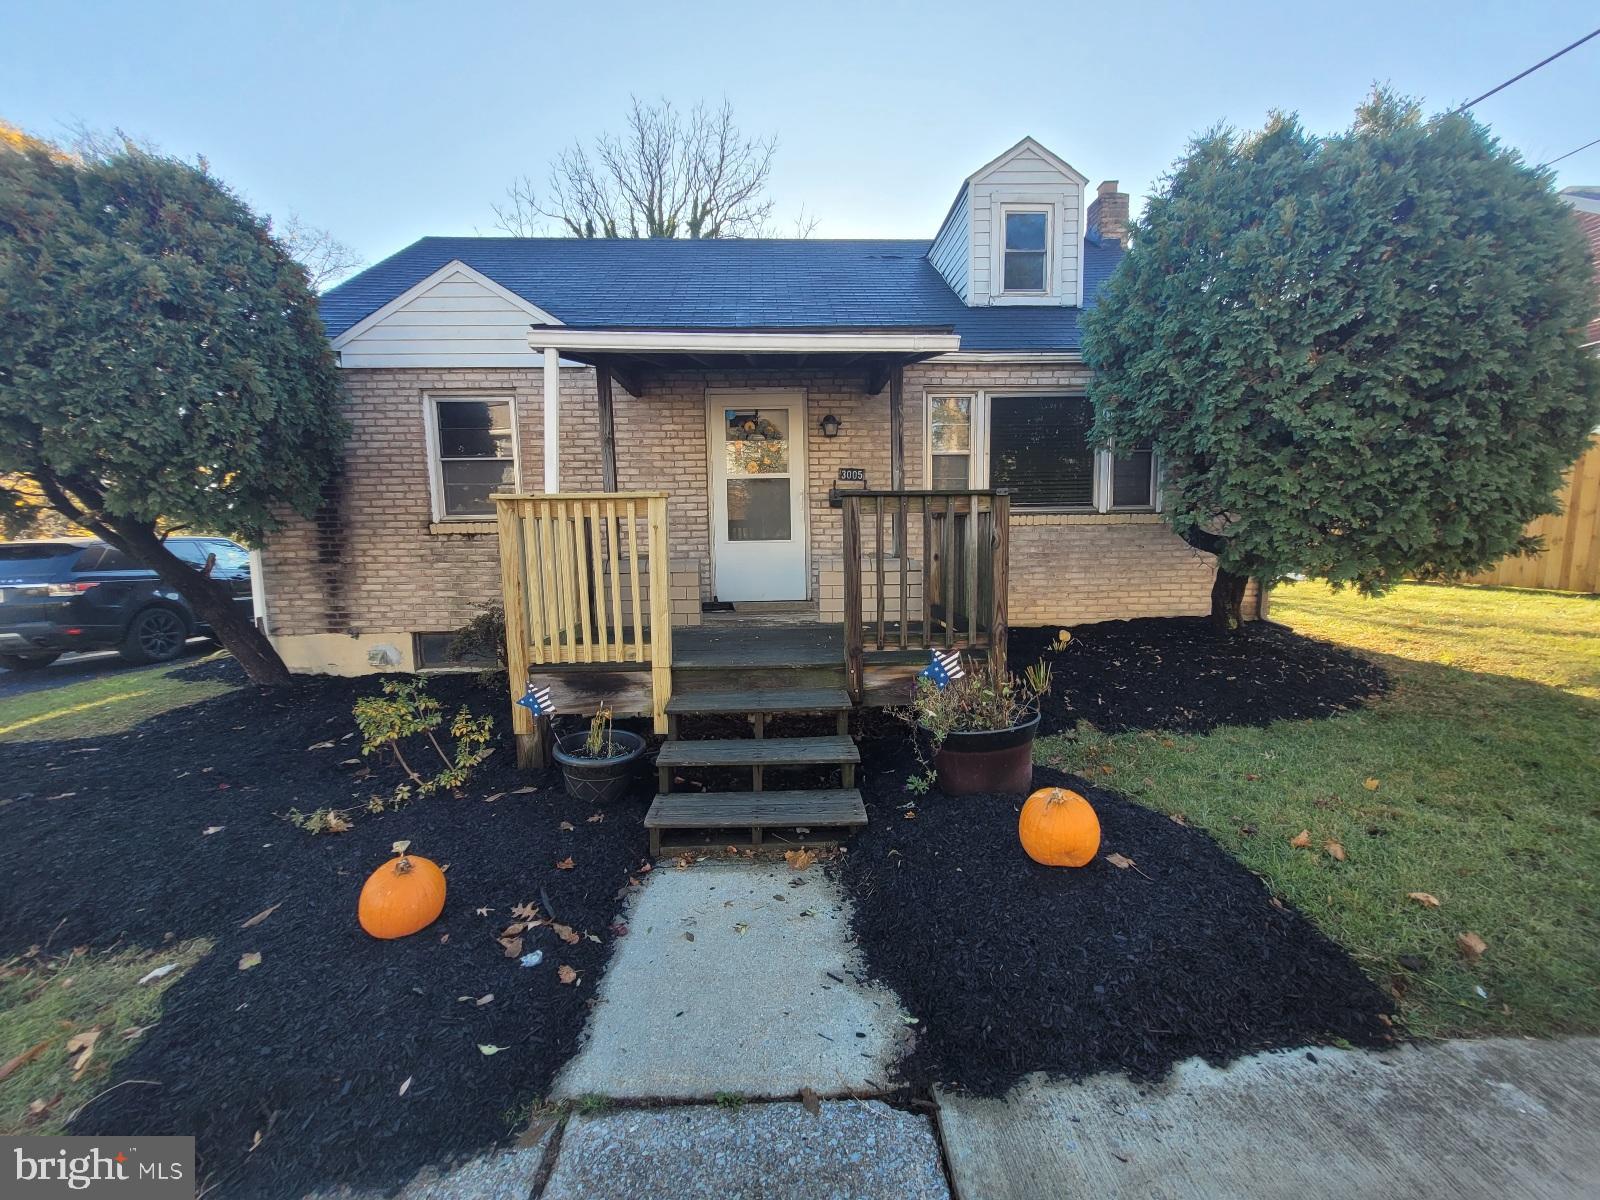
[
  {"x": 1026, "y": 251},
  {"x": 1039, "y": 449},
  {"x": 950, "y": 442},
  {"x": 475, "y": 449},
  {"x": 1133, "y": 478}
]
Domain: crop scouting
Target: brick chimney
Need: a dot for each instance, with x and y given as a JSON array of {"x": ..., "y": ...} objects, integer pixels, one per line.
[{"x": 1108, "y": 214}]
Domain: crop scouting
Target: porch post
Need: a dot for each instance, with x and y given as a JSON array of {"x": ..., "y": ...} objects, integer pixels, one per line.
[
  {"x": 552, "y": 420},
  {"x": 608, "y": 429},
  {"x": 897, "y": 452}
]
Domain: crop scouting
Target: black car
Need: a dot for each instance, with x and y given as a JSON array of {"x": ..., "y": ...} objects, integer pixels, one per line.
[{"x": 81, "y": 594}]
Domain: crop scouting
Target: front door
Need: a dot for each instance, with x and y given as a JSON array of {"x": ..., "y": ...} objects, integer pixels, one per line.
[{"x": 758, "y": 473}]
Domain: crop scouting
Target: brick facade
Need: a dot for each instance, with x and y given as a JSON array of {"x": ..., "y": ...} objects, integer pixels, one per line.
[{"x": 373, "y": 567}]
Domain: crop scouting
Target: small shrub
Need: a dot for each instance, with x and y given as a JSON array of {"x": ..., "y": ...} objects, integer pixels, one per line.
[
  {"x": 982, "y": 699},
  {"x": 406, "y": 711},
  {"x": 322, "y": 820},
  {"x": 483, "y": 640}
]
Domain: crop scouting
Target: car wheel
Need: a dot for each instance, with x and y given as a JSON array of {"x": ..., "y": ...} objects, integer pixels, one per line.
[
  {"x": 156, "y": 635},
  {"x": 28, "y": 662}
]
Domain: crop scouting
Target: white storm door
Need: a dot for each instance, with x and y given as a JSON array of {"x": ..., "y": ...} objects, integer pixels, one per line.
[{"x": 758, "y": 473}]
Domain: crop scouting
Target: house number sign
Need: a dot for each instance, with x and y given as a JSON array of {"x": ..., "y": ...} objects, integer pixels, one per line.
[{"x": 852, "y": 474}]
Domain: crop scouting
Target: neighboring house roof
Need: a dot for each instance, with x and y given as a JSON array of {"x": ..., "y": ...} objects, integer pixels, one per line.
[
  {"x": 1584, "y": 198},
  {"x": 726, "y": 284}
]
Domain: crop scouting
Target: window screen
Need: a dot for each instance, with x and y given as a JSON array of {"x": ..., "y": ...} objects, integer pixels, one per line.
[
  {"x": 475, "y": 454},
  {"x": 1025, "y": 254},
  {"x": 1133, "y": 479},
  {"x": 1039, "y": 449}
]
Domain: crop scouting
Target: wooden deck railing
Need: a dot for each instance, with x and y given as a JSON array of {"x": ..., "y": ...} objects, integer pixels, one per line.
[
  {"x": 939, "y": 566},
  {"x": 571, "y": 574}
]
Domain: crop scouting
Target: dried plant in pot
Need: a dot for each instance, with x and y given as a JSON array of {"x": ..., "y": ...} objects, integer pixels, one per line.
[
  {"x": 598, "y": 765},
  {"x": 980, "y": 728}
]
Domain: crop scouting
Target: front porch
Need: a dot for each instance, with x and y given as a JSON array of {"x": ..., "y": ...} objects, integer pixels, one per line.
[{"x": 588, "y": 603}]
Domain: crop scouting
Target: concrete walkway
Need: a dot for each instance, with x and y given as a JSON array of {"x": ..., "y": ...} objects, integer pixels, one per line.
[
  {"x": 1486, "y": 1119},
  {"x": 736, "y": 978}
]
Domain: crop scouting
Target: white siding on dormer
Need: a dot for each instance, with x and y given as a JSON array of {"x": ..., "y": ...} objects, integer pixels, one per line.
[
  {"x": 456, "y": 321},
  {"x": 1025, "y": 176},
  {"x": 950, "y": 253}
]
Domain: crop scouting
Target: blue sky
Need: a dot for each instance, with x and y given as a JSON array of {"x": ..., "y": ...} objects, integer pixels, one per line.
[{"x": 384, "y": 122}]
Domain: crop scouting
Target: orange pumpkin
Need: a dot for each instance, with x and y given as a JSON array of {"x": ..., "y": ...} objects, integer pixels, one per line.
[
  {"x": 402, "y": 896},
  {"x": 1059, "y": 828}
]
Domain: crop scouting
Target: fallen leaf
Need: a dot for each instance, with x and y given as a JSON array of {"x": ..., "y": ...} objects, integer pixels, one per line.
[
  {"x": 1177, "y": 819},
  {"x": 1121, "y": 862},
  {"x": 1301, "y": 840},
  {"x": 486, "y": 1049},
  {"x": 82, "y": 1047},
  {"x": 809, "y": 1101},
  {"x": 1424, "y": 899},
  {"x": 492, "y": 798},
  {"x": 526, "y": 912},
  {"x": 254, "y": 1142},
  {"x": 1334, "y": 849},
  {"x": 252, "y": 959},
  {"x": 566, "y": 933},
  {"x": 406, "y": 1086},
  {"x": 484, "y": 912},
  {"x": 400, "y": 847},
  {"x": 512, "y": 946},
  {"x": 160, "y": 972},
  {"x": 800, "y": 859},
  {"x": 566, "y": 864},
  {"x": 741, "y": 928},
  {"x": 594, "y": 818},
  {"x": 258, "y": 918},
  {"x": 320, "y": 746},
  {"x": 1252, "y": 779},
  {"x": 134, "y": 1034},
  {"x": 1471, "y": 946},
  {"x": 23, "y": 1059},
  {"x": 513, "y": 929},
  {"x": 688, "y": 937},
  {"x": 1370, "y": 784},
  {"x": 566, "y": 974},
  {"x": 486, "y": 998},
  {"x": 523, "y": 791},
  {"x": 619, "y": 929},
  {"x": 566, "y": 827},
  {"x": 210, "y": 829}
]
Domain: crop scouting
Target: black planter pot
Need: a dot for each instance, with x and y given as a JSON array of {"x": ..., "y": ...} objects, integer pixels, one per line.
[
  {"x": 993, "y": 760},
  {"x": 598, "y": 780}
]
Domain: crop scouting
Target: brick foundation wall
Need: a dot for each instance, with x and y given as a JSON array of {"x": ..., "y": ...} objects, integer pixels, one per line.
[{"x": 374, "y": 562}]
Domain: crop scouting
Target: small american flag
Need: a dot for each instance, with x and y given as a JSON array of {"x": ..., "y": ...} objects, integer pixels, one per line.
[
  {"x": 537, "y": 701},
  {"x": 943, "y": 668}
]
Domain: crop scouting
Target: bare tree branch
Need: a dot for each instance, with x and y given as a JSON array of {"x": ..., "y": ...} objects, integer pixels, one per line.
[
  {"x": 665, "y": 175},
  {"x": 324, "y": 256}
]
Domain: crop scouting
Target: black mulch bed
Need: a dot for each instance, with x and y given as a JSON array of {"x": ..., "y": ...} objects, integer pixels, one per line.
[
  {"x": 105, "y": 848},
  {"x": 1012, "y": 967},
  {"x": 1179, "y": 673}
]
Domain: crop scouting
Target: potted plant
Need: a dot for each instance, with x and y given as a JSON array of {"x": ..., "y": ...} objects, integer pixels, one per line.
[
  {"x": 980, "y": 726},
  {"x": 598, "y": 765}
]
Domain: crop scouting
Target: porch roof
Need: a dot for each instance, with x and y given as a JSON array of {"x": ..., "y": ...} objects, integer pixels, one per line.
[{"x": 629, "y": 352}]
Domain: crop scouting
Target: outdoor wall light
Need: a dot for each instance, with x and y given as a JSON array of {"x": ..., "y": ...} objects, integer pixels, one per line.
[{"x": 830, "y": 426}]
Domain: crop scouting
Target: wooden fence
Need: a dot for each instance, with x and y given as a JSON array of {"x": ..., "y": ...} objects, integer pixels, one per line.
[
  {"x": 576, "y": 595},
  {"x": 1571, "y": 559},
  {"x": 955, "y": 597}
]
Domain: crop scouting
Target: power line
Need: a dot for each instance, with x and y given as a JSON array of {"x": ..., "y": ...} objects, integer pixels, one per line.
[
  {"x": 1529, "y": 71},
  {"x": 1552, "y": 162}
]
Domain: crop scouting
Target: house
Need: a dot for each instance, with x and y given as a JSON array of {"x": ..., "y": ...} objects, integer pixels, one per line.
[{"x": 561, "y": 365}]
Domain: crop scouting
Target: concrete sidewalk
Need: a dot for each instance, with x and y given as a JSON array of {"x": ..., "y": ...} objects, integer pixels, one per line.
[{"x": 1488, "y": 1119}]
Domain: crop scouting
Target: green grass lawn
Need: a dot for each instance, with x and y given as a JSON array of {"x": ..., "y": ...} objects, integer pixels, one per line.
[
  {"x": 1476, "y": 781},
  {"x": 103, "y": 705}
]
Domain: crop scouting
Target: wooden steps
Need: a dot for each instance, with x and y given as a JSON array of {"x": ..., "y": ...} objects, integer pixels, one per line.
[
  {"x": 759, "y": 700},
  {"x": 758, "y": 673},
  {"x": 839, "y": 808},
  {"x": 759, "y": 752}
]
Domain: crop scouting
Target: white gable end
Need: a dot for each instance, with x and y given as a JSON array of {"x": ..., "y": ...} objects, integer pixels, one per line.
[{"x": 457, "y": 317}]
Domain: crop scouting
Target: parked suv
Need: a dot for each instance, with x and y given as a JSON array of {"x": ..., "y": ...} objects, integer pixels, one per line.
[{"x": 81, "y": 594}]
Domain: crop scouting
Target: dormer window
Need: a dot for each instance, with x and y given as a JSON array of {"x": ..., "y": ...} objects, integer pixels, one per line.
[{"x": 1027, "y": 249}]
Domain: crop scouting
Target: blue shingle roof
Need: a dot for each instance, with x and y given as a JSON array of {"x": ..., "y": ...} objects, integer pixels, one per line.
[{"x": 722, "y": 284}]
